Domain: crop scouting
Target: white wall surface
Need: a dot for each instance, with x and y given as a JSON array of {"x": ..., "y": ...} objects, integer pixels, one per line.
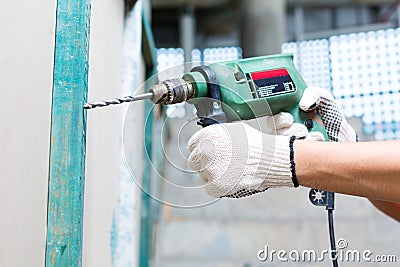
[
  {"x": 26, "y": 73},
  {"x": 104, "y": 131},
  {"x": 112, "y": 198}
]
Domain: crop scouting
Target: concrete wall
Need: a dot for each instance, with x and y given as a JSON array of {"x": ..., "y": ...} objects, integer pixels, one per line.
[
  {"x": 323, "y": 21},
  {"x": 263, "y": 27},
  {"x": 104, "y": 131},
  {"x": 26, "y": 73}
]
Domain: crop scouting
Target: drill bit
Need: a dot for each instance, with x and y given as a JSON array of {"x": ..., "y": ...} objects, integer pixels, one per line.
[
  {"x": 167, "y": 92},
  {"x": 116, "y": 101}
]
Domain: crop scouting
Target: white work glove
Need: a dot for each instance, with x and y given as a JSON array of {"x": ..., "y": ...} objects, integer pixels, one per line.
[
  {"x": 336, "y": 125},
  {"x": 283, "y": 124},
  {"x": 236, "y": 160}
]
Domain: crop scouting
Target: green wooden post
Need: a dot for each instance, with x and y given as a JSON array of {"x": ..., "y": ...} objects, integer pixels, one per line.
[{"x": 68, "y": 125}]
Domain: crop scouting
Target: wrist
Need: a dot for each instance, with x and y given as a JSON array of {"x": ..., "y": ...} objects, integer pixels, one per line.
[
  {"x": 301, "y": 164},
  {"x": 292, "y": 163},
  {"x": 274, "y": 164}
]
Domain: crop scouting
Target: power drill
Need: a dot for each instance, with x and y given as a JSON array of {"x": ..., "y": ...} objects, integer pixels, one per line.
[
  {"x": 241, "y": 90},
  {"x": 235, "y": 90}
]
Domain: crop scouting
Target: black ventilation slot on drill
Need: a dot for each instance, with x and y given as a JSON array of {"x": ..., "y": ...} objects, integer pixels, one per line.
[
  {"x": 252, "y": 87},
  {"x": 210, "y": 110}
]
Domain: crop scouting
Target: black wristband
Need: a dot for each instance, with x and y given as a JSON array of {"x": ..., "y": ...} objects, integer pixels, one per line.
[{"x": 292, "y": 164}]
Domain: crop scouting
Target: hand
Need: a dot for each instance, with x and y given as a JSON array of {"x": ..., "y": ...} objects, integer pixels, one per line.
[
  {"x": 283, "y": 124},
  {"x": 236, "y": 160},
  {"x": 336, "y": 125}
]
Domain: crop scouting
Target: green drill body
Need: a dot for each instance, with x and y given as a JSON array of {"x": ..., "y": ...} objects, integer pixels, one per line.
[{"x": 255, "y": 87}]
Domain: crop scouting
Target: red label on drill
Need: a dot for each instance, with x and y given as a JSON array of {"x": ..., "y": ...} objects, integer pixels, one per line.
[{"x": 272, "y": 82}]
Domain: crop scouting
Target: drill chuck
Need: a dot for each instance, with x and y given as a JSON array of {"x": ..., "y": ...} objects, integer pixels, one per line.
[{"x": 172, "y": 91}]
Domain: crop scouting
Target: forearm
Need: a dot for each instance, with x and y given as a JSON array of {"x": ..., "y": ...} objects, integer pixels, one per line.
[
  {"x": 389, "y": 208},
  {"x": 368, "y": 169}
]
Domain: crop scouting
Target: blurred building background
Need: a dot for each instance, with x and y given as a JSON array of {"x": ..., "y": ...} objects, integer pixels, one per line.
[{"x": 349, "y": 47}]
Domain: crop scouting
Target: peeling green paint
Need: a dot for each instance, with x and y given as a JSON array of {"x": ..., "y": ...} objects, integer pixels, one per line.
[{"x": 67, "y": 150}]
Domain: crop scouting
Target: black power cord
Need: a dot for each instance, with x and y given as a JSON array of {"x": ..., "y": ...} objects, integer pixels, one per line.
[
  {"x": 327, "y": 199},
  {"x": 332, "y": 239},
  {"x": 330, "y": 207}
]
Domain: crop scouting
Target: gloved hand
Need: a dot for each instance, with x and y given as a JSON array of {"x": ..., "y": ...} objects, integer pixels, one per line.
[
  {"x": 283, "y": 124},
  {"x": 236, "y": 160},
  {"x": 336, "y": 125},
  {"x": 232, "y": 166}
]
